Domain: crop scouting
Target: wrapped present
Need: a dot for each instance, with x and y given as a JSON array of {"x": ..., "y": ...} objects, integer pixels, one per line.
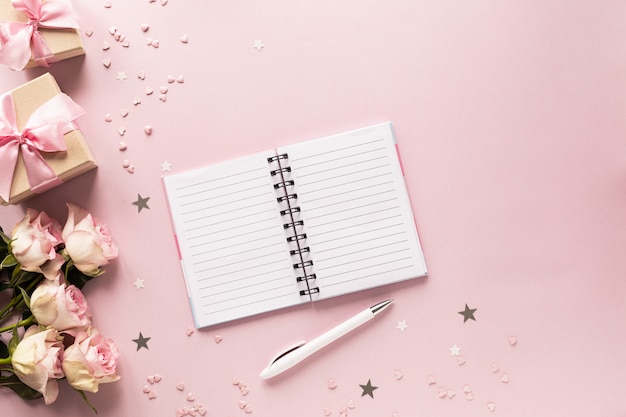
[
  {"x": 40, "y": 146},
  {"x": 38, "y": 33}
]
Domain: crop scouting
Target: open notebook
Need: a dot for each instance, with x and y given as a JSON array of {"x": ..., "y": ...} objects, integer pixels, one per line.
[{"x": 299, "y": 223}]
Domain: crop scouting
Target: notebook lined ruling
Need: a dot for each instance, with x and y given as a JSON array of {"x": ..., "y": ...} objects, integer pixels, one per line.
[{"x": 299, "y": 223}]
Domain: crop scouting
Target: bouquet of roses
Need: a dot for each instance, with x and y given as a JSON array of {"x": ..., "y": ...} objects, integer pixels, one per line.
[{"x": 46, "y": 332}]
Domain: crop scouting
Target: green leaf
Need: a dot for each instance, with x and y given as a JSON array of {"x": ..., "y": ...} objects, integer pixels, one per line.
[
  {"x": 20, "y": 277},
  {"x": 84, "y": 397},
  {"x": 4, "y": 350},
  {"x": 25, "y": 297},
  {"x": 4, "y": 238},
  {"x": 8, "y": 261},
  {"x": 15, "y": 340},
  {"x": 77, "y": 278},
  {"x": 21, "y": 389}
]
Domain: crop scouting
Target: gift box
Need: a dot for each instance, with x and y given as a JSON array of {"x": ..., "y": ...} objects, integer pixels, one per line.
[
  {"x": 40, "y": 146},
  {"x": 38, "y": 33}
]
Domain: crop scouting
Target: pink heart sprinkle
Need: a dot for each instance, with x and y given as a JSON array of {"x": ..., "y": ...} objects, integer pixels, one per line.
[
  {"x": 236, "y": 381},
  {"x": 126, "y": 164},
  {"x": 505, "y": 378},
  {"x": 125, "y": 44},
  {"x": 112, "y": 30},
  {"x": 136, "y": 101},
  {"x": 327, "y": 411},
  {"x": 150, "y": 379},
  {"x": 180, "y": 79},
  {"x": 117, "y": 36},
  {"x": 163, "y": 98},
  {"x": 217, "y": 338},
  {"x": 149, "y": 41},
  {"x": 88, "y": 32},
  {"x": 247, "y": 409},
  {"x": 242, "y": 404},
  {"x": 201, "y": 410},
  {"x": 467, "y": 388},
  {"x": 163, "y": 2},
  {"x": 124, "y": 112},
  {"x": 332, "y": 384},
  {"x": 180, "y": 386},
  {"x": 184, "y": 39},
  {"x": 123, "y": 146},
  {"x": 108, "y": 118},
  {"x": 163, "y": 89},
  {"x": 491, "y": 407},
  {"x": 151, "y": 1},
  {"x": 155, "y": 43},
  {"x": 152, "y": 395},
  {"x": 170, "y": 79},
  {"x": 398, "y": 375},
  {"x": 149, "y": 91},
  {"x": 106, "y": 62},
  {"x": 451, "y": 393},
  {"x": 512, "y": 340},
  {"x": 141, "y": 75},
  {"x": 189, "y": 330},
  {"x": 460, "y": 360},
  {"x": 243, "y": 389},
  {"x": 157, "y": 378},
  {"x": 494, "y": 368},
  {"x": 107, "y": 4},
  {"x": 145, "y": 27},
  {"x": 442, "y": 392},
  {"x": 179, "y": 413},
  {"x": 148, "y": 131},
  {"x": 131, "y": 169},
  {"x": 121, "y": 131},
  {"x": 146, "y": 389},
  {"x": 185, "y": 411},
  {"x": 190, "y": 397},
  {"x": 431, "y": 380},
  {"x": 105, "y": 46},
  {"x": 343, "y": 411},
  {"x": 469, "y": 396},
  {"x": 351, "y": 404},
  {"x": 122, "y": 37}
]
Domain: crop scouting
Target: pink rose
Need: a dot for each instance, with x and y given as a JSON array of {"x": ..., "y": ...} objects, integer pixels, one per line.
[
  {"x": 90, "y": 361},
  {"x": 37, "y": 361},
  {"x": 61, "y": 307},
  {"x": 34, "y": 242},
  {"x": 87, "y": 243}
]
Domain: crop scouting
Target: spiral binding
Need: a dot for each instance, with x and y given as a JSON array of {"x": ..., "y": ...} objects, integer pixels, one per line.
[{"x": 289, "y": 199}]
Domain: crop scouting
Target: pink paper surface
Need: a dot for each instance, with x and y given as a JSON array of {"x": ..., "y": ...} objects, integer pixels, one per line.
[{"x": 510, "y": 121}]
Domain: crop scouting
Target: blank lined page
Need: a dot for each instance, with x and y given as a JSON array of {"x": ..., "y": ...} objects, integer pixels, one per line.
[
  {"x": 233, "y": 247},
  {"x": 356, "y": 211}
]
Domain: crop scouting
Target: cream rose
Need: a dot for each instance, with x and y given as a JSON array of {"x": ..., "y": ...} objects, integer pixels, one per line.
[
  {"x": 34, "y": 242},
  {"x": 61, "y": 307},
  {"x": 87, "y": 243},
  {"x": 37, "y": 361},
  {"x": 90, "y": 361}
]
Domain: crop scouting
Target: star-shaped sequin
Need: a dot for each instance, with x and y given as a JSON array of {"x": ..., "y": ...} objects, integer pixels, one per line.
[
  {"x": 139, "y": 283},
  {"x": 468, "y": 313},
  {"x": 141, "y": 203},
  {"x": 402, "y": 325},
  {"x": 455, "y": 350},
  {"x": 142, "y": 342},
  {"x": 121, "y": 75},
  {"x": 258, "y": 44},
  {"x": 368, "y": 389},
  {"x": 165, "y": 166}
]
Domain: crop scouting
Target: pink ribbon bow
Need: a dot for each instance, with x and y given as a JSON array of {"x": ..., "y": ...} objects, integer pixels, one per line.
[
  {"x": 19, "y": 39},
  {"x": 43, "y": 132}
]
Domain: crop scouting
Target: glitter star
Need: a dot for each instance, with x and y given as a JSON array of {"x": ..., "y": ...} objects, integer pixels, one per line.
[
  {"x": 368, "y": 389},
  {"x": 121, "y": 75},
  {"x": 455, "y": 350},
  {"x": 468, "y": 313},
  {"x": 139, "y": 283},
  {"x": 165, "y": 166},
  {"x": 402, "y": 325},
  {"x": 258, "y": 44},
  {"x": 142, "y": 342},
  {"x": 141, "y": 203}
]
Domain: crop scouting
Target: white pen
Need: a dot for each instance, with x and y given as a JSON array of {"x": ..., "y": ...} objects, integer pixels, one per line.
[{"x": 296, "y": 354}]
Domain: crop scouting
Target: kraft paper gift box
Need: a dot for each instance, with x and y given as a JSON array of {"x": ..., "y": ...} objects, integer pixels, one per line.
[
  {"x": 42, "y": 93},
  {"x": 58, "y": 29}
]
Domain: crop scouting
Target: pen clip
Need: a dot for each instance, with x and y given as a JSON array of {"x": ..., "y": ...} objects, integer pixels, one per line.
[{"x": 287, "y": 351}]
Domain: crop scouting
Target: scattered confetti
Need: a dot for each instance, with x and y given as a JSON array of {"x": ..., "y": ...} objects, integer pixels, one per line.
[
  {"x": 136, "y": 101},
  {"x": 468, "y": 313},
  {"x": 236, "y": 381},
  {"x": 163, "y": 97},
  {"x": 180, "y": 386},
  {"x": 157, "y": 378},
  {"x": 332, "y": 384},
  {"x": 147, "y": 389},
  {"x": 350, "y": 404},
  {"x": 402, "y": 325},
  {"x": 431, "y": 380},
  {"x": 117, "y": 36},
  {"x": 455, "y": 350},
  {"x": 166, "y": 166},
  {"x": 491, "y": 407},
  {"x": 123, "y": 112},
  {"x": 145, "y": 27},
  {"x": 108, "y": 118},
  {"x": 460, "y": 360},
  {"x": 163, "y": 2},
  {"x": 106, "y": 62},
  {"x": 147, "y": 130},
  {"x": 180, "y": 79},
  {"x": 368, "y": 389},
  {"x": 243, "y": 388},
  {"x": 494, "y": 368},
  {"x": 121, "y": 131},
  {"x": 442, "y": 392},
  {"x": 88, "y": 32},
  {"x": 131, "y": 169},
  {"x": 107, "y": 4},
  {"x": 142, "y": 342},
  {"x": 189, "y": 331},
  {"x": 152, "y": 395},
  {"x": 512, "y": 340},
  {"x": 125, "y": 164},
  {"x": 258, "y": 44},
  {"x": 397, "y": 375},
  {"x": 190, "y": 398},
  {"x": 121, "y": 75},
  {"x": 149, "y": 91},
  {"x": 327, "y": 411},
  {"x": 155, "y": 43},
  {"x": 467, "y": 388},
  {"x": 469, "y": 396},
  {"x": 218, "y": 338},
  {"x": 163, "y": 89},
  {"x": 184, "y": 39},
  {"x": 112, "y": 30},
  {"x": 105, "y": 46},
  {"x": 141, "y": 75},
  {"x": 451, "y": 393},
  {"x": 125, "y": 44},
  {"x": 505, "y": 378},
  {"x": 139, "y": 283},
  {"x": 170, "y": 79},
  {"x": 141, "y": 203},
  {"x": 122, "y": 146}
]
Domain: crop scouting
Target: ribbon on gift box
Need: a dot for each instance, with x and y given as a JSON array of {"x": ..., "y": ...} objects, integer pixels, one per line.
[
  {"x": 19, "y": 39},
  {"x": 43, "y": 132}
]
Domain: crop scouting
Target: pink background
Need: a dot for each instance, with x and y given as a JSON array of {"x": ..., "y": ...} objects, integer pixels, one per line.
[{"x": 510, "y": 121}]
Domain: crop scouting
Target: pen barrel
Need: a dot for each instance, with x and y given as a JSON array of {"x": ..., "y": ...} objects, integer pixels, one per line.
[{"x": 339, "y": 330}]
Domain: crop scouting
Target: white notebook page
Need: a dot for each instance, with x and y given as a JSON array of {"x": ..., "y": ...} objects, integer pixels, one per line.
[
  {"x": 356, "y": 211},
  {"x": 233, "y": 247}
]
